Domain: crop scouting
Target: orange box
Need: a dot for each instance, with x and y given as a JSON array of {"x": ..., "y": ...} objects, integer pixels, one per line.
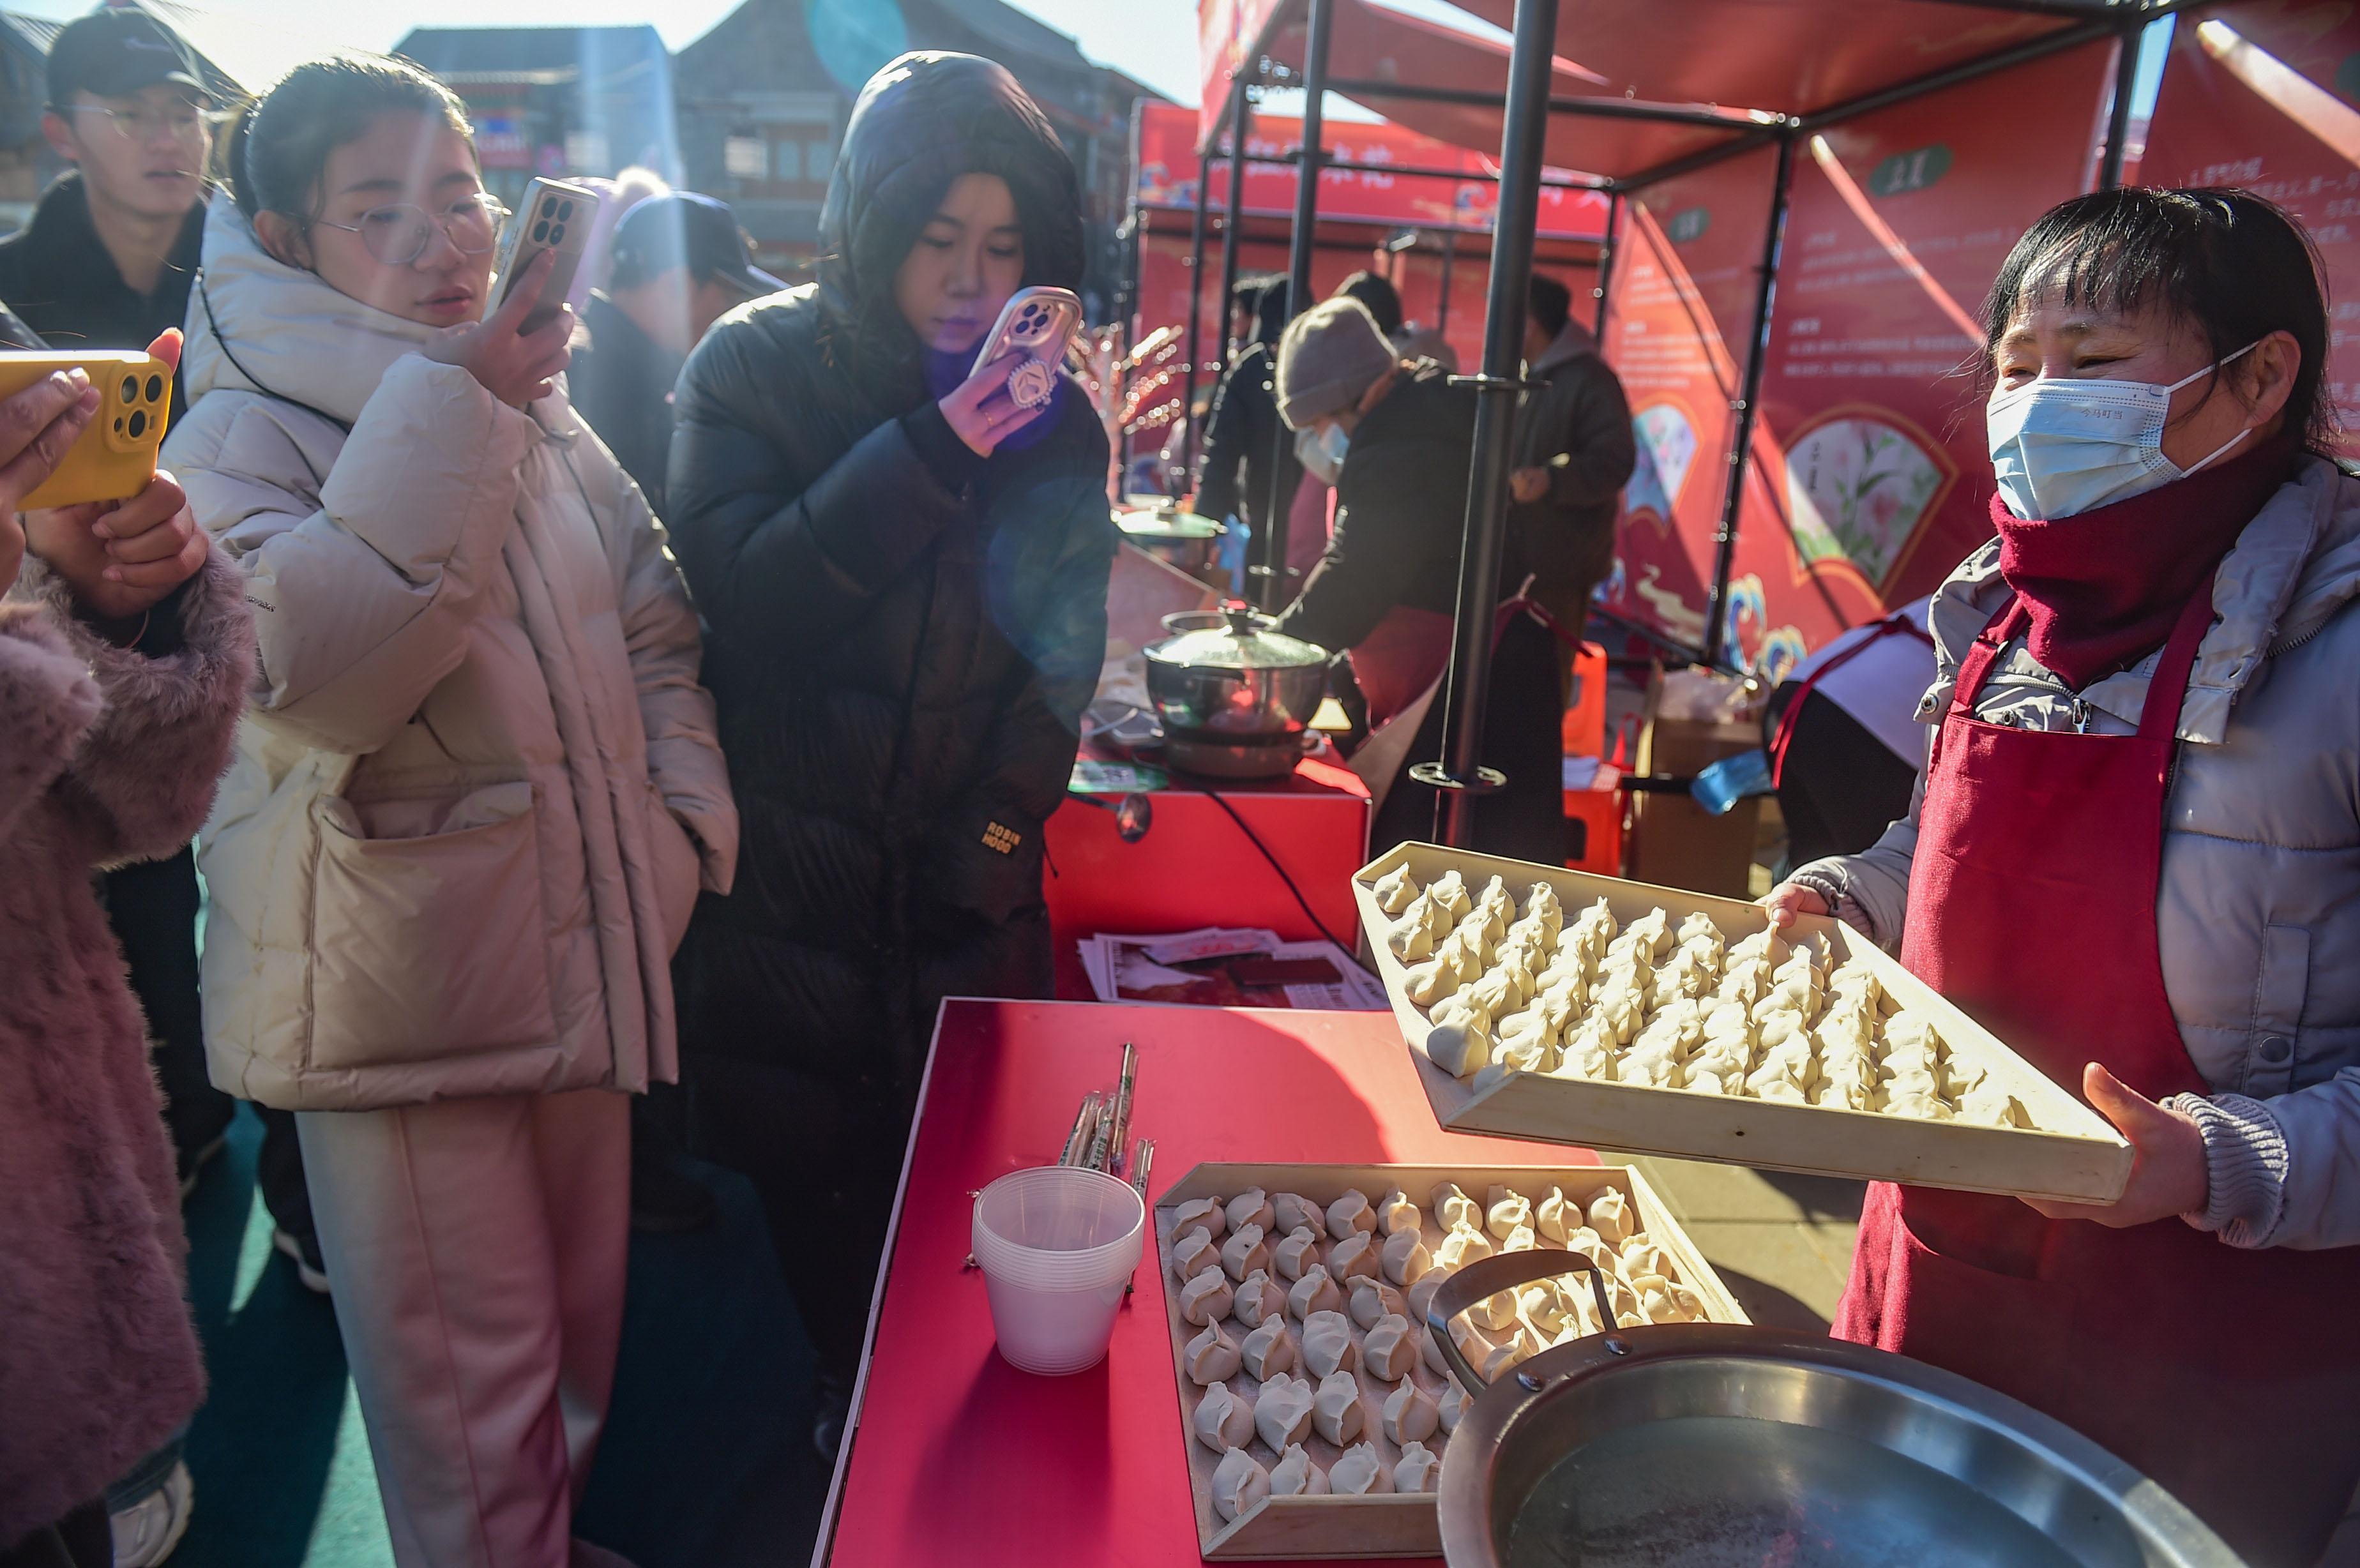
[
  {"x": 1584, "y": 716},
  {"x": 1593, "y": 830}
]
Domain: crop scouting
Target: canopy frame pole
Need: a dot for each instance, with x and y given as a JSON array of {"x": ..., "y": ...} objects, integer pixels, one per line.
[
  {"x": 1271, "y": 587},
  {"x": 1757, "y": 352},
  {"x": 1196, "y": 308},
  {"x": 1606, "y": 253},
  {"x": 1566, "y": 103},
  {"x": 1420, "y": 171},
  {"x": 1460, "y": 776},
  {"x": 1450, "y": 262},
  {"x": 1240, "y": 118},
  {"x": 2118, "y": 116}
]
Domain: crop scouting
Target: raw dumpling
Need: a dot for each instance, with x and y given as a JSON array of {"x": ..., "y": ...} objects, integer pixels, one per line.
[
  {"x": 1682, "y": 974},
  {"x": 1374, "y": 1300},
  {"x": 1520, "y": 1239},
  {"x": 1314, "y": 1292},
  {"x": 1472, "y": 1346},
  {"x": 1410, "y": 1415},
  {"x": 1240, "y": 1484},
  {"x": 1588, "y": 1054},
  {"x": 1453, "y": 1208},
  {"x": 1269, "y": 1350},
  {"x": 1995, "y": 1107},
  {"x": 1292, "y": 1211},
  {"x": 1429, "y": 982},
  {"x": 1419, "y": 1470},
  {"x": 1744, "y": 981},
  {"x": 1390, "y": 1351},
  {"x": 1610, "y": 1217},
  {"x": 1922, "y": 1107},
  {"x": 1496, "y": 1312},
  {"x": 1844, "y": 1091},
  {"x": 1521, "y": 1347},
  {"x": 1961, "y": 1077},
  {"x": 1245, "y": 1251},
  {"x": 1193, "y": 1252},
  {"x": 1283, "y": 1411},
  {"x": 1328, "y": 1346},
  {"x": 1663, "y": 1301},
  {"x": 1412, "y": 941},
  {"x": 1295, "y": 1476},
  {"x": 1396, "y": 1214},
  {"x": 1460, "y": 1050},
  {"x": 1206, "y": 1297},
  {"x": 1449, "y": 890},
  {"x": 1250, "y": 1207},
  {"x": 1356, "y": 1258},
  {"x": 1460, "y": 1008},
  {"x": 1555, "y": 1215},
  {"x": 1542, "y": 1305},
  {"x": 1359, "y": 1472},
  {"x": 1258, "y": 1299},
  {"x": 1420, "y": 1296},
  {"x": 1208, "y": 1213},
  {"x": 1503, "y": 1211},
  {"x": 1763, "y": 945},
  {"x": 1463, "y": 1245},
  {"x": 1222, "y": 1420},
  {"x": 1909, "y": 1028},
  {"x": 1336, "y": 1411},
  {"x": 1297, "y": 1253},
  {"x": 1406, "y": 1259},
  {"x": 1394, "y": 890},
  {"x": 1454, "y": 1401},
  {"x": 1640, "y": 1256},
  {"x": 1350, "y": 1214},
  {"x": 1713, "y": 1078},
  {"x": 1212, "y": 1356},
  {"x": 1591, "y": 931},
  {"x": 1615, "y": 1014},
  {"x": 1648, "y": 937}
]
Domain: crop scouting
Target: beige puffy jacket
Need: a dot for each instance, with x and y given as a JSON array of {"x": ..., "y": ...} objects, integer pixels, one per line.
[{"x": 478, "y": 786}]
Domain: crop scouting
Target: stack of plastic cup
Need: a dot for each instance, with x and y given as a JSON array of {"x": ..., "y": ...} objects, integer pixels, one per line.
[{"x": 1058, "y": 1245}]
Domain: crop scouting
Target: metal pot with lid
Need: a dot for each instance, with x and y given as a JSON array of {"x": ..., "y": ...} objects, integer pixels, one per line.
[
  {"x": 1237, "y": 699},
  {"x": 1185, "y": 539},
  {"x": 1688, "y": 1445}
]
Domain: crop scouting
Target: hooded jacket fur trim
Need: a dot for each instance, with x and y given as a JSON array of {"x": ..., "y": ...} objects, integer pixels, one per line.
[
  {"x": 110, "y": 756},
  {"x": 480, "y": 785}
]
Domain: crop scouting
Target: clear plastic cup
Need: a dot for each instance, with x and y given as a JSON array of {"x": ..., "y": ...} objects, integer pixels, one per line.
[{"x": 1058, "y": 1245}]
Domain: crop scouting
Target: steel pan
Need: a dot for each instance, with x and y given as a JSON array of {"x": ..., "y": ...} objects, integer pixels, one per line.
[{"x": 1697, "y": 1446}]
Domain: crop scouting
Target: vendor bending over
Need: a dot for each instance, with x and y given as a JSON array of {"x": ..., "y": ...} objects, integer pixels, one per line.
[
  {"x": 2135, "y": 857},
  {"x": 1396, "y": 439}
]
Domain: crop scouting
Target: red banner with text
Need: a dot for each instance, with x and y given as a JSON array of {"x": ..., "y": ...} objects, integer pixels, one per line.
[
  {"x": 2263, "y": 96},
  {"x": 1868, "y": 478}
]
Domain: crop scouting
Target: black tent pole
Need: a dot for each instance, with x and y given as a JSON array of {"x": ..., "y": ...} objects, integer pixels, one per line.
[
  {"x": 1271, "y": 589},
  {"x": 1757, "y": 350},
  {"x": 2118, "y": 119},
  {"x": 1606, "y": 263},
  {"x": 1449, "y": 258},
  {"x": 1233, "y": 207},
  {"x": 1460, "y": 776},
  {"x": 1196, "y": 307}
]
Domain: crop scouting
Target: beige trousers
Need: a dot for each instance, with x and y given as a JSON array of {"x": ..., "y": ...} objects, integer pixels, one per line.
[{"x": 476, "y": 1250}]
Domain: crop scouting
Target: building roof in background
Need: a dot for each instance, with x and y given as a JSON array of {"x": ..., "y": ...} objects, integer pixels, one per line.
[{"x": 535, "y": 55}]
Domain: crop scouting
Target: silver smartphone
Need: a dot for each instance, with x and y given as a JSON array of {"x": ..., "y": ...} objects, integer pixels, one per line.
[
  {"x": 557, "y": 217},
  {"x": 1040, "y": 323}
]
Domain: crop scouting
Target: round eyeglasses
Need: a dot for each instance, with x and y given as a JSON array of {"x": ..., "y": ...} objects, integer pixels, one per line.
[
  {"x": 180, "y": 121},
  {"x": 399, "y": 233}
]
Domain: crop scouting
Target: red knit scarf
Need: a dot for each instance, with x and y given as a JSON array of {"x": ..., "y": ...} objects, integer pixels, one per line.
[{"x": 2103, "y": 586}]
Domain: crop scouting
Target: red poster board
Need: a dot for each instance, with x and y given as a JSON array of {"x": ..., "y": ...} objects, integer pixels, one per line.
[
  {"x": 1868, "y": 480},
  {"x": 2261, "y": 96}
]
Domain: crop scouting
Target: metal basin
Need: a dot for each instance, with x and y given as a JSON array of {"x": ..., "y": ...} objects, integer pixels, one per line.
[{"x": 1698, "y": 1445}]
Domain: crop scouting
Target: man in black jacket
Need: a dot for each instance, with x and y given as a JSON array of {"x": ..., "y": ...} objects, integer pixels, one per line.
[
  {"x": 1397, "y": 441},
  {"x": 1247, "y": 469},
  {"x": 1573, "y": 455},
  {"x": 678, "y": 266}
]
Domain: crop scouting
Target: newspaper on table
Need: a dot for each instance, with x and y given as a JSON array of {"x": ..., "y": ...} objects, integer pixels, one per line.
[{"x": 1201, "y": 968}]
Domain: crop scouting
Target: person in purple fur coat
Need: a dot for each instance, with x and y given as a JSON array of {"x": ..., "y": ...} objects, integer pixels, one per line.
[{"x": 126, "y": 653}]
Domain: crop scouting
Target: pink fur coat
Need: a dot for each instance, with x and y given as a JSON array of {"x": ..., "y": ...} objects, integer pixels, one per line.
[{"x": 106, "y": 756}]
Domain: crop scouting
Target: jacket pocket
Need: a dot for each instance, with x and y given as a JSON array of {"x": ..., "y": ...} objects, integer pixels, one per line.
[
  {"x": 2273, "y": 1042},
  {"x": 430, "y": 945}
]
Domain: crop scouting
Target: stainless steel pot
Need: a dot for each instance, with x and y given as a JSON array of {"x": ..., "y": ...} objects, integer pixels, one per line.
[
  {"x": 1235, "y": 700},
  {"x": 1683, "y": 1445},
  {"x": 1186, "y": 540}
]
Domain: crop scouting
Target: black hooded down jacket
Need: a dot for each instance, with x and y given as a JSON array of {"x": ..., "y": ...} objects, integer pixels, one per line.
[{"x": 900, "y": 636}]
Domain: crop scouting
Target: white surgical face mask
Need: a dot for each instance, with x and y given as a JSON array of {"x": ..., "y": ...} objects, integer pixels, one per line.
[
  {"x": 1320, "y": 449},
  {"x": 2060, "y": 446}
]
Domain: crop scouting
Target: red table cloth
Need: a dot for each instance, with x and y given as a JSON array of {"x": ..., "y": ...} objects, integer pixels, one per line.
[{"x": 955, "y": 1457}]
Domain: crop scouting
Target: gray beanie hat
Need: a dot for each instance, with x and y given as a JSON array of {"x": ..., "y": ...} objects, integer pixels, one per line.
[{"x": 1330, "y": 355}]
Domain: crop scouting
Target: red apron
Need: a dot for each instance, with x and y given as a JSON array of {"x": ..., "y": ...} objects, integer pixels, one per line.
[{"x": 2229, "y": 1376}]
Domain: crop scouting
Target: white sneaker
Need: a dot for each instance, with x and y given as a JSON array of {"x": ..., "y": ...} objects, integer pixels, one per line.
[{"x": 147, "y": 1532}]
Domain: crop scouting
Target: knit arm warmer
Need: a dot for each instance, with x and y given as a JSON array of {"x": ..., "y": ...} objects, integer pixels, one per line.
[{"x": 2245, "y": 1161}]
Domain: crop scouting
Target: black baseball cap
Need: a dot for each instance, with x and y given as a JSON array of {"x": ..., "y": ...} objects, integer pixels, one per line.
[
  {"x": 685, "y": 229},
  {"x": 116, "y": 53}
]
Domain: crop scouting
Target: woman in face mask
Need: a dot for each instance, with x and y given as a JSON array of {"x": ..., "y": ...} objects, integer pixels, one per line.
[{"x": 2133, "y": 856}]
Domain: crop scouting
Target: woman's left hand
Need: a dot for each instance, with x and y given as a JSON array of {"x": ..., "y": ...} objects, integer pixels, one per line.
[{"x": 2167, "y": 1170}]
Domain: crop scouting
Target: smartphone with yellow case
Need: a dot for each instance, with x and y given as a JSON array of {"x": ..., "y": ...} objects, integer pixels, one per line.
[{"x": 114, "y": 457}]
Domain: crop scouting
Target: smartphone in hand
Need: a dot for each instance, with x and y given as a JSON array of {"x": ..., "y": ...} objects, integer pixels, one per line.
[
  {"x": 114, "y": 458},
  {"x": 1040, "y": 323},
  {"x": 557, "y": 217}
]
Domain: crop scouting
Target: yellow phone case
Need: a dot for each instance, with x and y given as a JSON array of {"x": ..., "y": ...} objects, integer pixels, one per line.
[{"x": 112, "y": 458}]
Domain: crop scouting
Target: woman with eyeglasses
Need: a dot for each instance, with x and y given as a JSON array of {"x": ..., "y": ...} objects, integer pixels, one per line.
[{"x": 475, "y": 796}]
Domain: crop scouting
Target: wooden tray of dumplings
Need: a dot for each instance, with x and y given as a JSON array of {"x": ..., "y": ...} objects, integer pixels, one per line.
[
  {"x": 1948, "y": 1104},
  {"x": 1633, "y": 1231}
]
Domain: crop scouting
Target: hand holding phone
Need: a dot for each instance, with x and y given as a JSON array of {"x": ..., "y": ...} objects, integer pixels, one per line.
[
  {"x": 557, "y": 222},
  {"x": 513, "y": 363}
]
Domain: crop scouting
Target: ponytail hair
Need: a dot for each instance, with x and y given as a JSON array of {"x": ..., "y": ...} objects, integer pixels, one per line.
[{"x": 277, "y": 153}]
